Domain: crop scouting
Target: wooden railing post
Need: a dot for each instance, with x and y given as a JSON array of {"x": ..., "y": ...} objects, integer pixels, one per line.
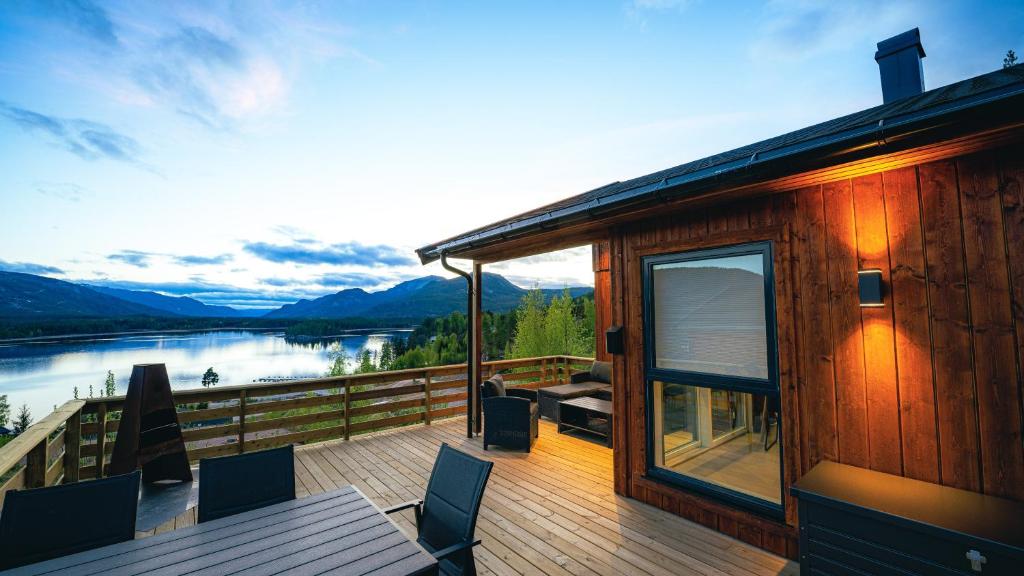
[
  {"x": 426, "y": 398},
  {"x": 348, "y": 408},
  {"x": 72, "y": 447},
  {"x": 241, "y": 421},
  {"x": 101, "y": 437},
  {"x": 35, "y": 465},
  {"x": 543, "y": 371}
]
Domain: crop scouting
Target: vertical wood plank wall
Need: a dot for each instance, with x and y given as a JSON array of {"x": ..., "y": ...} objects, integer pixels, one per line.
[{"x": 928, "y": 386}]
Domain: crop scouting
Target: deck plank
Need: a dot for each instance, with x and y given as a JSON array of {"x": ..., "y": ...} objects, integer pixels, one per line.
[{"x": 552, "y": 511}]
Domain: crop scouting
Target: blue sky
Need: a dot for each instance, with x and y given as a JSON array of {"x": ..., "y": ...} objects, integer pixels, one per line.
[{"x": 252, "y": 153}]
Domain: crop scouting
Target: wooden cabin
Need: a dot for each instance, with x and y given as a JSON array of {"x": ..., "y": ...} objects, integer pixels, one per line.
[{"x": 852, "y": 292}]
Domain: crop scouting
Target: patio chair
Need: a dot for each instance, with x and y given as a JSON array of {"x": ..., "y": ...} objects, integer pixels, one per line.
[
  {"x": 46, "y": 523},
  {"x": 446, "y": 517},
  {"x": 510, "y": 415},
  {"x": 234, "y": 484}
]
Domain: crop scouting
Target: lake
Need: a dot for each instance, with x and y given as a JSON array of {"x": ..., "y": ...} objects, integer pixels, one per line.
[{"x": 42, "y": 374}]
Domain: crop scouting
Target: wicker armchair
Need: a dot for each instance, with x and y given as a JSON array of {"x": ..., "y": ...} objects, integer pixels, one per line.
[{"x": 510, "y": 415}]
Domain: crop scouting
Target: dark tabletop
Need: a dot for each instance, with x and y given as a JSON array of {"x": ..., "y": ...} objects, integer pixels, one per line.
[
  {"x": 943, "y": 507},
  {"x": 339, "y": 532},
  {"x": 589, "y": 403}
]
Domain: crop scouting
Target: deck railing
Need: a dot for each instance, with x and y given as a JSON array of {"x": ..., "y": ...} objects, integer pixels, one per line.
[{"x": 66, "y": 444}]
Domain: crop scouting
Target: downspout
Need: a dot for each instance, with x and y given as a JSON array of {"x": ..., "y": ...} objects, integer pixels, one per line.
[{"x": 470, "y": 372}]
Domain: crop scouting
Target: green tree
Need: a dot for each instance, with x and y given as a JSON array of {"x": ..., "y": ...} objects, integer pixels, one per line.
[
  {"x": 339, "y": 360},
  {"x": 110, "y": 386},
  {"x": 565, "y": 326},
  {"x": 531, "y": 333},
  {"x": 366, "y": 364},
  {"x": 75, "y": 392},
  {"x": 5, "y": 410},
  {"x": 23, "y": 421},
  {"x": 210, "y": 378},
  {"x": 1010, "y": 60}
]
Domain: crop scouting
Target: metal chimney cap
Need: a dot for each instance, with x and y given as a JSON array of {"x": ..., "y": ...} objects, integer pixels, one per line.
[{"x": 908, "y": 39}]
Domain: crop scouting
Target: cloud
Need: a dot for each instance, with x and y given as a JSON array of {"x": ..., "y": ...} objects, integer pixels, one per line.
[
  {"x": 66, "y": 191},
  {"x": 346, "y": 253},
  {"x": 203, "y": 260},
  {"x": 214, "y": 294},
  {"x": 209, "y": 77},
  {"x": 800, "y": 29},
  {"x": 83, "y": 138},
  {"x": 351, "y": 280},
  {"x": 567, "y": 255},
  {"x": 86, "y": 17},
  {"x": 546, "y": 282},
  {"x": 131, "y": 258},
  {"x": 29, "y": 268}
]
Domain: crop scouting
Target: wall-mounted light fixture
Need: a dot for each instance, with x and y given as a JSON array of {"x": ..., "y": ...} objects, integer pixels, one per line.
[{"x": 869, "y": 283}]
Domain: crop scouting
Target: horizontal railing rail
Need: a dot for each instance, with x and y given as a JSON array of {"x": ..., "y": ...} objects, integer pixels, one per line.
[{"x": 225, "y": 420}]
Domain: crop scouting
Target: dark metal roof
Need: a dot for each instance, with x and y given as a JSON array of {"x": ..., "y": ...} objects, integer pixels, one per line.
[{"x": 878, "y": 122}]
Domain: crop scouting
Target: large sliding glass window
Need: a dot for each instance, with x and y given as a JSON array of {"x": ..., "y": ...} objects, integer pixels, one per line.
[{"x": 711, "y": 366}]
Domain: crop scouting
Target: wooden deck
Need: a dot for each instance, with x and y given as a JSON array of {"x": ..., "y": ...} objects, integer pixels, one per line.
[{"x": 552, "y": 511}]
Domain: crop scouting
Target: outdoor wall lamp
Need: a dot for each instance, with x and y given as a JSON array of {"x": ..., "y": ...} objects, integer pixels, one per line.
[{"x": 869, "y": 283}]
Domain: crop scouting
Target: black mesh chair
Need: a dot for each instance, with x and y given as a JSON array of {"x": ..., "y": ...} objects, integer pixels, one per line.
[
  {"x": 234, "y": 484},
  {"x": 510, "y": 415},
  {"x": 46, "y": 523},
  {"x": 446, "y": 517}
]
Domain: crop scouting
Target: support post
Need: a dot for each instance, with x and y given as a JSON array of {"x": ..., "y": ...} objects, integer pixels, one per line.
[
  {"x": 426, "y": 398},
  {"x": 72, "y": 447},
  {"x": 348, "y": 408},
  {"x": 101, "y": 437},
  {"x": 241, "y": 421},
  {"x": 35, "y": 465},
  {"x": 477, "y": 348}
]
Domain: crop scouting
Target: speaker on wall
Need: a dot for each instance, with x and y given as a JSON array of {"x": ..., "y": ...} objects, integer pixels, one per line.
[{"x": 613, "y": 342}]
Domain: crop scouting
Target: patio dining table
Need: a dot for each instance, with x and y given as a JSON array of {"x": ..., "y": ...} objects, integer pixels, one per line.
[{"x": 338, "y": 532}]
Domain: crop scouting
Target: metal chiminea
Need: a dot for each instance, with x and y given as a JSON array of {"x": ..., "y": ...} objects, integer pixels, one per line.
[
  {"x": 899, "y": 64},
  {"x": 149, "y": 436}
]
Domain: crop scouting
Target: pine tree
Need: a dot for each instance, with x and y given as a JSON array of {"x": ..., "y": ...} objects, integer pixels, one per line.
[
  {"x": 210, "y": 378},
  {"x": 75, "y": 392},
  {"x": 1010, "y": 60},
  {"x": 110, "y": 386},
  {"x": 23, "y": 421},
  {"x": 5, "y": 410}
]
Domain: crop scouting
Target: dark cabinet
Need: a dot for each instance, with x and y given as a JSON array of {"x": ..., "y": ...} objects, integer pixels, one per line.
[{"x": 855, "y": 522}]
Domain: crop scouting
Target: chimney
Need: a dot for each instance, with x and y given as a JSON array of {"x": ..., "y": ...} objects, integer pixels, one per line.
[{"x": 899, "y": 64}]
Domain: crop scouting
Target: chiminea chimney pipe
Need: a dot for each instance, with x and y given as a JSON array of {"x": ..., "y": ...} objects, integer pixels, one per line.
[{"x": 899, "y": 64}]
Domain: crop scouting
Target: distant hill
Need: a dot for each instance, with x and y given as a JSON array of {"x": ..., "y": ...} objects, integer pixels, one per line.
[
  {"x": 177, "y": 305},
  {"x": 419, "y": 298},
  {"x": 30, "y": 296}
]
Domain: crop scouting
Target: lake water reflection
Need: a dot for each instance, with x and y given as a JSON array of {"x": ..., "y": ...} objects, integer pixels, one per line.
[{"x": 42, "y": 374}]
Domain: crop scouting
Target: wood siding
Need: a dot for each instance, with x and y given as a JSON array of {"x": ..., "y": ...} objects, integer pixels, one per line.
[{"x": 928, "y": 386}]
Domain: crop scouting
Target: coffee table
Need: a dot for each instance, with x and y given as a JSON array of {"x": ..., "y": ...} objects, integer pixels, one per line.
[
  {"x": 591, "y": 415},
  {"x": 549, "y": 397}
]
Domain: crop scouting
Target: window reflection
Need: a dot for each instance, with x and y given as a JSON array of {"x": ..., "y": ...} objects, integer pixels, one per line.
[{"x": 722, "y": 437}]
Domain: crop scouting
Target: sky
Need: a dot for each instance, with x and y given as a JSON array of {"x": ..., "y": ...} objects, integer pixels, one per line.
[{"x": 258, "y": 152}]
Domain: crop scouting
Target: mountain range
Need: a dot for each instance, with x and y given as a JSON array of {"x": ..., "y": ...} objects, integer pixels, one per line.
[{"x": 27, "y": 296}]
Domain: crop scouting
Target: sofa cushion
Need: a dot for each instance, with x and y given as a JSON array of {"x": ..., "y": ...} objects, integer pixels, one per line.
[
  {"x": 601, "y": 372},
  {"x": 494, "y": 386}
]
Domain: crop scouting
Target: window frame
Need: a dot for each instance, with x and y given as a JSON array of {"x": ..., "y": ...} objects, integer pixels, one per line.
[
  {"x": 705, "y": 379},
  {"x": 768, "y": 387}
]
